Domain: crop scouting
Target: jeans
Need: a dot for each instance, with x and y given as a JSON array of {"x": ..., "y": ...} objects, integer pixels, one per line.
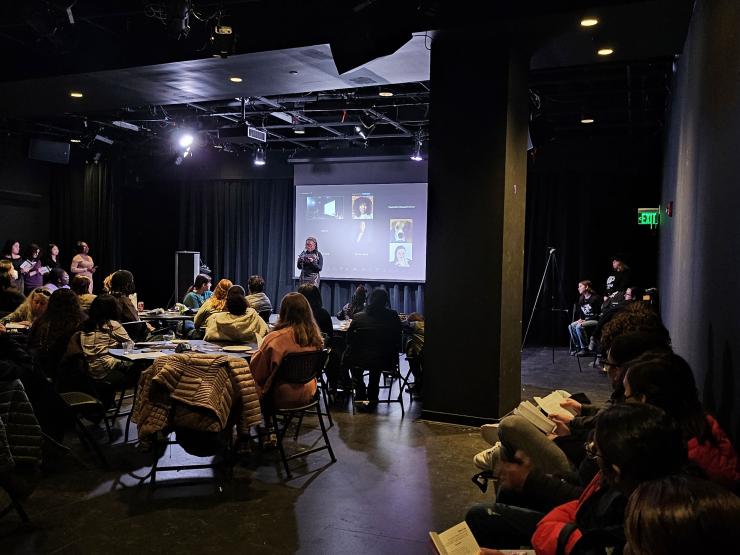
[{"x": 580, "y": 333}]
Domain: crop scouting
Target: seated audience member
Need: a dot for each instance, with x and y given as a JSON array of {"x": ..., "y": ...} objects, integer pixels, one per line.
[
  {"x": 32, "y": 308},
  {"x": 50, "y": 333},
  {"x": 31, "y": 269},
  {"x": 81, "y": 286},
  {"x": 198, "y": 293},
  {"x": 610, "y": 308},
  {"x": 356, "y": 304},
  {"x": 666, "y": 381},
  {"x": 100, "y": 332},
  {"x": 50, "y": 258},
  {"x": 58, "y": 279},
  {"x": 589, "y": 307},
  {"x": 106, "y": 284},
  {"x": 215, "y": 303},
  {"x": 240, "y": 324},
  {"x": 415, "y": 349},
  {"x": 257, "y": 298},
  {"x": 682, "y": 515},
  {"x": 48, "y": 406},
  {"x": 372, "y": 343},
  {"x": 10, "y": 297},
  {"x": 632, "y": 444},
  {"x": 121, "y": 286},
  {"x": 295, "y": 332},
  {"x": 12, "y": 252},
  {"x": 322, "y": 316}
]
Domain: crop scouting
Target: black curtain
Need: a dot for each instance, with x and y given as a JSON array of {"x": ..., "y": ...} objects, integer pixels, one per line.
[
  {"x": 587, "y": 216},
  {"x": 85, "y": 206},
  {"x": 241, "y": 228}
]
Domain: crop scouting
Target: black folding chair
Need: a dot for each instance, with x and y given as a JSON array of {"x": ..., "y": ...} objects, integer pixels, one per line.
[{"x": 300, "y": 368}]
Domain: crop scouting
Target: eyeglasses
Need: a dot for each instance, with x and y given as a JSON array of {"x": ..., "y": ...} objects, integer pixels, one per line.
[
  {"x": 42, "y": 291},
  {"x": 591, "y": 451}
]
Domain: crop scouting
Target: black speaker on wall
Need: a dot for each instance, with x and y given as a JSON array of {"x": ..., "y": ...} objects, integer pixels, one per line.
[{"x": 187, "y": 266}]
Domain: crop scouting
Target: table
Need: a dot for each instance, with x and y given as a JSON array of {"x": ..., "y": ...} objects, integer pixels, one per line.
[
  {"x": 337, "y": 324},
  {"x": 171, "y": 316},
  {"x": 154, "y": 349}
]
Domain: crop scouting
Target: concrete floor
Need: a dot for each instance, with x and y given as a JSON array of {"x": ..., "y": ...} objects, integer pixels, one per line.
[{"x": 394, "y": 480}]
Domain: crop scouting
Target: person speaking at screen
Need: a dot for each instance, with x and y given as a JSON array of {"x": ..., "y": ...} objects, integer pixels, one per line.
[{"x": 310, "y": 262}]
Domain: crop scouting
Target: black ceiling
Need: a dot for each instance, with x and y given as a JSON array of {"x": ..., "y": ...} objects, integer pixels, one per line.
[{"x": 133, "y": 69}]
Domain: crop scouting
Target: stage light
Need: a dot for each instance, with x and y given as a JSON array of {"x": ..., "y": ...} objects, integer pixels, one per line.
[
  {"x": 605, "y": 51},
  {"x": 385, "y": 93},
  {"x": 235, "y": 79},
  {"x": 360, "y": 132},
  {"x": 416, "y": 155},
  {"x": 260, "y": 157},
  {"x": 299, "y": 130},
  {"x": 74, "y": 140},
  {"x": 589, "y": 22},
  {"x": 185, "y": 140},
  {"x": 587, "y": 119},
  {"x": 76, "y": 94}
]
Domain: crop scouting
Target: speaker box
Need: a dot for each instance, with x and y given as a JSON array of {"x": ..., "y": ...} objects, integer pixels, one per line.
[
  {"x": 48, "y": 151},
  {"x": 187, "y": 266}
]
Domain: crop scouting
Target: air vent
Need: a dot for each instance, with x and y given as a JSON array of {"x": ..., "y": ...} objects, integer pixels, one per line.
[{"x": 256, "y": 134}]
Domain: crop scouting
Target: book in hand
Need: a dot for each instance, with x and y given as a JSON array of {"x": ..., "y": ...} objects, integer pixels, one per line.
[
  {"x": 459, "y": 540},
  {"x": 27, "y": 265},
  {"x": 532, "y": 413},
  {"x": 551, "y": 403}
]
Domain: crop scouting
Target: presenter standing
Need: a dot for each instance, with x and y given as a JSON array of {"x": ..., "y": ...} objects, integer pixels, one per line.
[{"x": 310, "y": 262}]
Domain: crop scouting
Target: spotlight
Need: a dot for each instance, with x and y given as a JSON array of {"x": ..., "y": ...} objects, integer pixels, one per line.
[
  {"x": 587, "y": 118},
  {"x": 74, "y": 140},
  {"x": 260, "y": 157},
  {"x": 416, "y": 155},
  {"x": 185, "y": 140},
  {"x": 76, "y": 94},
  {"x": 589, "y": 22},
  {"x": 605, "y": 51},
  {"x": 299, "y": 130},
  {"x": 235, "y": 79},
  {"x": 385, "y": 93},
  {"x": 360, "y": 132}
]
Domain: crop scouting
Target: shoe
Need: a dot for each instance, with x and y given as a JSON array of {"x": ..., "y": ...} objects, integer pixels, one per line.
[
  {"x": 584, "y": 353},
  {"x": 268, "y": 439},
  {"x": 490, "y": 433},
  {"x": 573, "y": 353},
  {"x": 489, "y": 459},
  {"x": 592, "y": 344}
]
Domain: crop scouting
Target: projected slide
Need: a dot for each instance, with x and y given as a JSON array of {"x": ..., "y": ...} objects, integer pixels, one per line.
[{"x": 365, "y": 232}]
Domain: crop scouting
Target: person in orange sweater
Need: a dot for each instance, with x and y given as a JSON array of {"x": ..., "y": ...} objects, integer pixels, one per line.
[{"x": 295, "y": 332}]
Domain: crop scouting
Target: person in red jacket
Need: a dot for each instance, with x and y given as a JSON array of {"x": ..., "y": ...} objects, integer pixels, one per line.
[
  {"x": 633, "y": 443},
  {"x": 667, "y": 382}
]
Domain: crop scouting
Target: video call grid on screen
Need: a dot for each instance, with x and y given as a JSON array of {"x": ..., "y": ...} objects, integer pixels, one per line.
[{"x": 365, "y": 232}]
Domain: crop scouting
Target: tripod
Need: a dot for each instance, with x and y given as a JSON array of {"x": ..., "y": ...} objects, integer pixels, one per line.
[{"x": 552, "y": 266}]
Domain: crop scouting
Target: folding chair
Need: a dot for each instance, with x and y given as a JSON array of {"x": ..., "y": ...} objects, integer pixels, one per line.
[{"x": 300, "y": 368}]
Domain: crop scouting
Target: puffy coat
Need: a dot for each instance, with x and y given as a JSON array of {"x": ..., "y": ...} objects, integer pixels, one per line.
[{"x": 717, "y": 459}]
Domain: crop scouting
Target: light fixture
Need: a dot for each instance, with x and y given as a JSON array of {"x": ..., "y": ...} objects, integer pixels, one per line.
[
  {"x": 74, "y": 140},
  {"x": 416, "y": 154},
  {"x": 260, "y": 158},
  {"x": 385, "y": 93},
  {"x": 235, "y": 79},
  {"x": 587, "y": 118},
  {"x": 589, "y": 22},
  {"x": 299, "y": 130},
  {"x": 605, "y": 51},
  {"x": 185, "y": 140},
  {"x": 360, "y": 132},
  {"x": 76, "y": 94}
]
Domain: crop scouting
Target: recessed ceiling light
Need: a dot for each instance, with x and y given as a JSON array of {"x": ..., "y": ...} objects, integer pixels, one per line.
[
  {"x": 589, "y": 22},
  {"x": 587, "y": 120},
  {"x": 605, "y": 51},
  {"x": 235, "y": 79},
  {"x": 74, "y": 140},
  {"x": 385, "y": 93},
  {"x": 75, "y": 94},
  {"x": 293, "y": 72}
]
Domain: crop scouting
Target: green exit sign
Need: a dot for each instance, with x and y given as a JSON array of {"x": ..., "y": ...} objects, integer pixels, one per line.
[{"x": 648, "y": 216}]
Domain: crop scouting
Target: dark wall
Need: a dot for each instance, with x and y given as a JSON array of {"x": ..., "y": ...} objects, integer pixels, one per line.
[
  {"x": 24, "y": 194},
  {"x": 699, "y": 270}
]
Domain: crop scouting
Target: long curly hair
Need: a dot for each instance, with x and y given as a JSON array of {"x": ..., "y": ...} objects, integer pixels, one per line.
[
  {"x": 218, "y": 299},
  {"x": 638, "y": 316},
  {"x": 62, "y": 318}
]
